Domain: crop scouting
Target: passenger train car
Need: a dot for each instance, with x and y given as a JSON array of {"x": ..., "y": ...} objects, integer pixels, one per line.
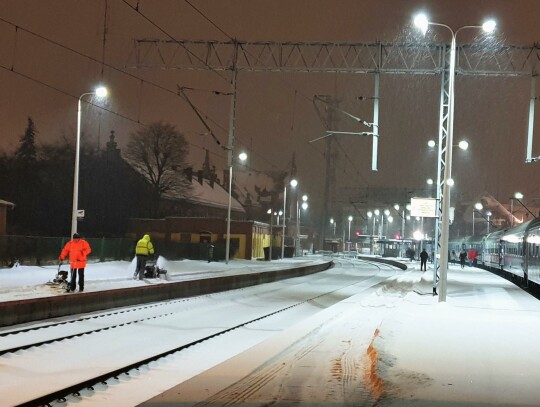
[{"x": 514, "y": 252}]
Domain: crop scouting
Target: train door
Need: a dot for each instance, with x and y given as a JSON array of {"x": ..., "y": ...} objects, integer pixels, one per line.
[{"x": 502, "y": 250}]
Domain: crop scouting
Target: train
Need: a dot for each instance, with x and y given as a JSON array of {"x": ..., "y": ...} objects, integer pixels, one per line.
[{"x": 513, "y": 253}]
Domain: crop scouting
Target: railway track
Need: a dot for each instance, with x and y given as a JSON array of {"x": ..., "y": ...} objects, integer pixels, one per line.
[{"x": 251, "y": 303}]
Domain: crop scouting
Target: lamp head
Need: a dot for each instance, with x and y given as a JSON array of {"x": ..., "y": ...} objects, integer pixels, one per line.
[
  {"x": 350, "y": 218},
  {"x": 518, "y": 195},
  {"x": 429, "y": 181},
  {"x": 431, "y": 143},
  {"x": 463, "y": 144},
  {"x": 489, "y": 26},
  {"x": 294, "y": 183},
  {"x": 101, "y": 91},
  {"x": 376, "y": 212},
  {"x": 242, "y": 156},
  {"x": 304, "y": 198},
  {"x": 331, "y": 220},
  {"x": 387, "y": 212},
  {"x": 369, "y": 214},
  {"x": 304, "y": 205},
  {"x": 478, "y": 206},
  {"x": 396, "y": 207},
  {"x": 421, "y": 21}
]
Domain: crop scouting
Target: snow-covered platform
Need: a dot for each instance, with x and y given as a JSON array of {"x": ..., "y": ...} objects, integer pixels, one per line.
[
  {"x": 397, "y": 346},
  {"x": 25, "y": 297}
]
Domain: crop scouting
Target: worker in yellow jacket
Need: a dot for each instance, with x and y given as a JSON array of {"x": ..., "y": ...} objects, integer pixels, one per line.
[{"x": 143, "y": 249}]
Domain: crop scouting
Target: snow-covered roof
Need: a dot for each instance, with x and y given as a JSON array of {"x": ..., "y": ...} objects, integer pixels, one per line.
[{"x": 213, "y": 196}]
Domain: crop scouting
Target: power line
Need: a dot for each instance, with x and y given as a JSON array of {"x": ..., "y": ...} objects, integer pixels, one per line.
[
  {"x": 208, "y": 19},
  {"x": 136, "y": 10}
]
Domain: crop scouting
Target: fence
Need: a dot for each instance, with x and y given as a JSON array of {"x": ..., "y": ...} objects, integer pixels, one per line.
[{"x": 39, "y": 250}]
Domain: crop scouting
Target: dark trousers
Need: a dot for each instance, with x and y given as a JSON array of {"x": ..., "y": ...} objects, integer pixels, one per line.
[
  {"x": 423, "y": 264},
  {"x": 73, "y": 279},
  {"x": 141, "y": 265}
]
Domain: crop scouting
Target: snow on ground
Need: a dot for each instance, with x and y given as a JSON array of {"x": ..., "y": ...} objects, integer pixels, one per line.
[
  {"x": 23, "y": 282},
  {"x": 397, "y": 346}
]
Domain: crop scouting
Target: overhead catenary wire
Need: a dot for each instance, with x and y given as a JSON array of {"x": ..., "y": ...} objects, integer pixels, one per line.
[
  {"x": 141, "y": 81},
  {"x": 103, "y": 63}
]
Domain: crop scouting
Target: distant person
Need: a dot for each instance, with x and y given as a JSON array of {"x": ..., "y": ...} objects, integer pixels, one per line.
[
  {"x": 471, "y": 256},
  {"x": 462, "y": 257},
  {"x": 423, "y": 259},
  {"x": 143, "y": 249},
  {"x": 77, "y": 251},
  {"x": 454, "y": 257}
]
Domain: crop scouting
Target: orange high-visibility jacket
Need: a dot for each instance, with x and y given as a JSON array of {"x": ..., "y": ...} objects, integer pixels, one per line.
[{"x": 77, "y": 251}]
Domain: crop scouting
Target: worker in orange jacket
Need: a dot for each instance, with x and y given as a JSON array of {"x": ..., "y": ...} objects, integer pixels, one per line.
[{"x": 77, "y": 249}]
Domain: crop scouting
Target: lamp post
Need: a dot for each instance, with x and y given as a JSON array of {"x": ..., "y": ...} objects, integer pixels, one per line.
[
  {"x": 333, "y": 223},
  {"x": 463, "y": 145},
  {"x": 519, "y": 196},
  {"x": 387, "y": 214},
  {"x": 293, "y": 184},
  {"x": 242, "y": 157},
  {"x": 477, "y": 207},
  {"x": 349, "y": 240},
  {"x": 376, "y": 212},
  {"x": 422, "y": 22},
  {"x": 100, "y": 92},
  {"x": 304, "y": 207},
  {"x": 271, "y": 213}
]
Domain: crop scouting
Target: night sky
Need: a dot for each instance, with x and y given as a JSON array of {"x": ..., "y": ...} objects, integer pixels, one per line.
[{"x": 275, "y": 113}]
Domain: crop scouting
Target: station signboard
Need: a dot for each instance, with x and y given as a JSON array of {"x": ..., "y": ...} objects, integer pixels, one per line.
[{"x": 424, "y": 207}]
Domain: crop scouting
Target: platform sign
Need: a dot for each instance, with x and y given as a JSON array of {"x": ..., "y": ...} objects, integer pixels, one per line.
[
  {"x": 424, "y": 207},
  {"x": 80, "y": 213}
]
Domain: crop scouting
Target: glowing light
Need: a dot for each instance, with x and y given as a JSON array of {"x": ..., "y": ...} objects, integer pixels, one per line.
[
  {"x": 489, "y": 26},
  {"x": 421, "y": 21},
  {"x": 101, "y": 91}
]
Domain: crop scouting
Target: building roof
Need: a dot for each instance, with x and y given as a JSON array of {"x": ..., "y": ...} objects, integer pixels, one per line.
[{"x": 213, "y": 196}]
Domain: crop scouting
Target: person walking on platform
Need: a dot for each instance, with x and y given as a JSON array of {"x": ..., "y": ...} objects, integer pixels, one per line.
[
  {"x": 143, "y": 249},
  {"x": 423, "y": 260},
  {"x": 77, "y": 251},
  {"x": 462, "y": 257},
  {"x": 454, "y": 257}
]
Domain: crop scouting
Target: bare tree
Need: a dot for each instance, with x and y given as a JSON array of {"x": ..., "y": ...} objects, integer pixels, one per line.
[{"x": 157, "y": 152}]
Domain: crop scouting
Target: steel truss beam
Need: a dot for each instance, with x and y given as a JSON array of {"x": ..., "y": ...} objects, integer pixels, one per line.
[
  {"x": 483, "y": 60},
  {"x": 353, "y": 58}
]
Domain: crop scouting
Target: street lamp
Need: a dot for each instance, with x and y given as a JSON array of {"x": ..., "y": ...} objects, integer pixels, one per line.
[
  {"x": 272, "y": 214},
  {"x": 477, "y": 207},
  {"x": 333, "y": 223},
  {"x": 100, "y": 92},
  {"x": 304, "y": 206},
  {"x": 519, "y": 196},
  {"x": 387, "y": 214},
  {"x": 376, "y": 212},
  {"x": 241, "y": 157},
  {"x": 293, "y": 184},
  {"x": 422, "y": 22},
  {"x": 349, "y": 242}
]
